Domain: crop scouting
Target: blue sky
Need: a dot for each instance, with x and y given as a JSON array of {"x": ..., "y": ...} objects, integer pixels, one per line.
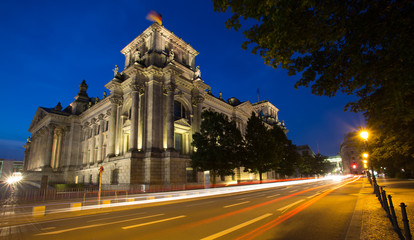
[{"x": 49, "y": 47}]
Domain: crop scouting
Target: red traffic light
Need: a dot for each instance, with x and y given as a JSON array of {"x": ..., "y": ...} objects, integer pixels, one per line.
[{"x": 354, "y": 165}]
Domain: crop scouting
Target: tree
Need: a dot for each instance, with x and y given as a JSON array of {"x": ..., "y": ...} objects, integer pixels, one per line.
[
  {"x": 361, "y": 48},
  {"x": 261, "y": 155},
  {"x": 218, "y": 145},
  {"x": 315, "y": 165},
  {"x": 284, "y": 159},
  {"x": 291, "y": 160}
]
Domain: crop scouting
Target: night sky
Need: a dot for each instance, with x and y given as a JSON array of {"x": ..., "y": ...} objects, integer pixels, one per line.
[{"x": 49, "y": 47}]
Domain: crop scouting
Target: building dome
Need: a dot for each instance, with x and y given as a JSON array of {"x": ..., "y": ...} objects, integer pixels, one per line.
[{"x": 233, "y": 101}]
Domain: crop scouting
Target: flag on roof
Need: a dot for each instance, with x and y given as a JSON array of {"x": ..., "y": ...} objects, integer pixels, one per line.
[{"x": 155, "y": 17}]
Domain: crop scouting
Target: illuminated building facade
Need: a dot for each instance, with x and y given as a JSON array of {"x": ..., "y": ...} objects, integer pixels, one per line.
[
  {"x": 141, "y": 132},
  {"x": 351, "y": 154}
]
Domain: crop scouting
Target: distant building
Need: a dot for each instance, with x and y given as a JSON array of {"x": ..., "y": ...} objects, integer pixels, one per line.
[
  {"x": 8, "y": 167},
  {"x": 351, "y": 154},
  {"x": 337, "y": 160},
  {"x": 141, "y": 133},
  {"x": 305, "y": 150}
]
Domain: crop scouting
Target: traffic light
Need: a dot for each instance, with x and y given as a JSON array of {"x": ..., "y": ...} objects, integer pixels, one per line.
[{"x": 354, "y": 165}]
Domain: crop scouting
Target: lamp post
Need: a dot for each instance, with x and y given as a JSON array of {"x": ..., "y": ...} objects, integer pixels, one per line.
[{"x": 364, "y": 135}]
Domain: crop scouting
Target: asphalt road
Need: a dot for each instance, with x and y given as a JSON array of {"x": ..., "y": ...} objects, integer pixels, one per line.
[{"x": 321, "y": 210}]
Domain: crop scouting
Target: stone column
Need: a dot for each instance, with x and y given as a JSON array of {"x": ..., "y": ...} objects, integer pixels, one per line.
[
  {"x": 134, "y": 117},
  {"x": 153, "y": 123},
  {"x": 59, "y": 133},
  {"x": 101, "y": 126},
  {"x": 141, "y": 119},
  {"x": 112, "y": 126},
  {"x": 169, "y": 112},
  {"x": 197, "y": 100},
  {"x": 92, "y": 147},
  {"x": 48, "y": 152}
]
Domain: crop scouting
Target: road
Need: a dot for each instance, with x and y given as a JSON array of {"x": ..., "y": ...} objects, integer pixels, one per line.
[{"x": 320, "y": 210}]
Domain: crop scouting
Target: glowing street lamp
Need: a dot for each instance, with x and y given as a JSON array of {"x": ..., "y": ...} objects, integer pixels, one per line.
[
  {"x": 14, "y": 178},
  {"x": 364, "y": 135}
]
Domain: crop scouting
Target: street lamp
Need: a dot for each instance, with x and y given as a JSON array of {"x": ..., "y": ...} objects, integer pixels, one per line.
[
  {"x": 365, "y": 161},
  {"x": 364, "y": 135}
]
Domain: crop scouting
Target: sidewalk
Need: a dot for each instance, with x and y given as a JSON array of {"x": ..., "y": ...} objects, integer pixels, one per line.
[{"x": 370, "y": 220}]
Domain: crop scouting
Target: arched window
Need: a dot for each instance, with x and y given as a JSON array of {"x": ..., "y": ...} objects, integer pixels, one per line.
[{"x": 179, "y": 110}]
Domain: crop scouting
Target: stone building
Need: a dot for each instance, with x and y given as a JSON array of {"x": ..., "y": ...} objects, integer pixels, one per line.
[
  {"x": 141, "y": 132},
  {"x": 8, "y": 167},
  {"x": 305, "y": 150},
  {"x": 351, "y": 153}
]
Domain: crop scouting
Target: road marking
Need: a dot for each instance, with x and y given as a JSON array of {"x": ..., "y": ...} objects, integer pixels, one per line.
[
  {"x": 293, "y": 190},
  {"x": 235, "y": 204},
  {"x": 243, "y": 198},
  {"x": 202, "y": 203},
  {"x": 95, "y": 225},
  {"x": 313, "y": 195},
  {"x": 232, "y": 229},
  {"x": 290, "y": 205},
  {"x": 153, "y": 222},
  {"x": 48, "y": 228},
  {"x": 100, "y": 219},
  {"x": 273, "y": 196}
]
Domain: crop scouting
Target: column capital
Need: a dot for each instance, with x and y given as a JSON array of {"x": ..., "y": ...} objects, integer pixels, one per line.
[
  {"x": 169, "y": 88},
  {"x": 116, "y": 100},
  {"x": 196, "y": 100},
  {"x": 137, "y": 87}
]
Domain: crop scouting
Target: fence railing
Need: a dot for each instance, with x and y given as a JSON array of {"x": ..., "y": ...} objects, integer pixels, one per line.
[{"x": 388, "y": 206}]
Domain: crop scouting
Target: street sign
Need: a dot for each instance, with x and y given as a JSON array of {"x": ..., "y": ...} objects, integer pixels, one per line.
[{"x": 101, "y": 169}]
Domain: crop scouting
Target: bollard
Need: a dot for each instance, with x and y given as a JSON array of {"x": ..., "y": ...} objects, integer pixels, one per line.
[
  {"x": 76, "y": 206},
  {"x": 394, "y": 218},
  {"x": 379, "y": 195},
  {"x": 385, "y": 203},
  {"x": 407, "y": 232},
  {"x": 39, "y": 211}
]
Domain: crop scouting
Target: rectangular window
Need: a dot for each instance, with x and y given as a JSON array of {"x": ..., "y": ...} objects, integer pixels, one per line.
[
  {"x": 115, "y": 176},
  {"x": 17, "y": 167},
  {"x": 191, "y": 175},
  {"x": 178, "y": 143}
]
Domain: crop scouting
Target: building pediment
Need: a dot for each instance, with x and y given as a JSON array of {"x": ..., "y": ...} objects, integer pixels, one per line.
[
  {"x": 39, "y": 116},
  {"x": 182, "y": 122}
]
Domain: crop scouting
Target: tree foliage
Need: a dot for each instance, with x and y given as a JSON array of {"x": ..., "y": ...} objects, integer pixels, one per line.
[
  {"x": 261, "y": 154},
  {"x": 218, "y": 145},
  {"x": 363, "y": 48},
  {"x": 315, "y": 165}
]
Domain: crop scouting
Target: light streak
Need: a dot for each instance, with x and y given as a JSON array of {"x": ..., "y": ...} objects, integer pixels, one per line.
[{"x": 259, "y": 231}]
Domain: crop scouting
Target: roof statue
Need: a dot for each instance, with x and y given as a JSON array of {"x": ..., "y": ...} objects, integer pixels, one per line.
[{"x": 197, "y": 73}]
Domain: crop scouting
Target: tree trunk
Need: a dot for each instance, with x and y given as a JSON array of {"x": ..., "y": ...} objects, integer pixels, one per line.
[
  {"x": 260, "y": 175},
  {"x": 214, "y": 178}
]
